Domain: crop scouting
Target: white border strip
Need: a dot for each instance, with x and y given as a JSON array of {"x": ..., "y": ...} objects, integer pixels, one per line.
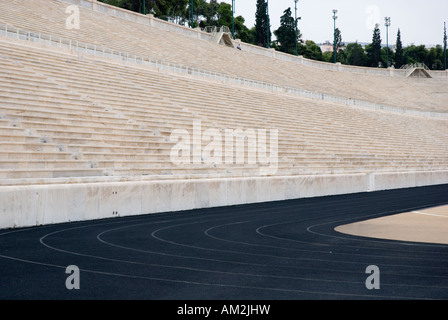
[{"x": 429, "y": 214}]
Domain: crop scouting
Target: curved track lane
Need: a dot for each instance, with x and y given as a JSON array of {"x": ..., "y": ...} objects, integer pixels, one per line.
[{"x": 272, "y": 251}]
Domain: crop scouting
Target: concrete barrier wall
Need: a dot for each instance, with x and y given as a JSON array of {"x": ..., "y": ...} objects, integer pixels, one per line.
[
  {"x": 24, "y": 206},
  {"x": 439, "y": 74},
  {"x": 386, "y": 181}
]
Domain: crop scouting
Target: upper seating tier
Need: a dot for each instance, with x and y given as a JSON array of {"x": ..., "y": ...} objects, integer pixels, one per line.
[{"x": 131, "y": 37}]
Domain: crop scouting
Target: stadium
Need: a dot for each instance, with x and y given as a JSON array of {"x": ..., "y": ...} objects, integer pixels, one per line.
[{"x": 157, "y": 161}]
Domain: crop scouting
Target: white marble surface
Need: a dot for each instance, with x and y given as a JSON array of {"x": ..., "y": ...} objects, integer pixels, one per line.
[{"x": 22, "y": 206}]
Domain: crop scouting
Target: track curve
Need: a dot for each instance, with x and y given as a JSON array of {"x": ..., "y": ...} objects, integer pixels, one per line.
[{"x": 285, "y": 250}]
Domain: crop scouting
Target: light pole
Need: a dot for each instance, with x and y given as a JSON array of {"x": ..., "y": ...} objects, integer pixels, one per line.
[
  {"x": 233, "y": 19},
  {"x": 192, "y": 12},
  {"x": 267, "y": 26},
  {"x": 444, "y": 43},
  {"x": 297, "y": 35},
  {"x": 144, "y": 7},
  {"x": 334, "y": 31},
  {"x": 387, "y": 20}
]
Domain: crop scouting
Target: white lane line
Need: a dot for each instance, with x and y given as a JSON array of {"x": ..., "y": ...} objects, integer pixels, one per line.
[{"x": 429, "y": 214}]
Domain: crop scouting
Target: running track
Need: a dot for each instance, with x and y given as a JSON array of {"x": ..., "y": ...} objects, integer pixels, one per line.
[{"x": 272, "y": 251}]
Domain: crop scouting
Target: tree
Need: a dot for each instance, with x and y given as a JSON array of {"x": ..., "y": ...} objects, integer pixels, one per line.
[
  {"x": 286, "y": 33},
  {"x": 445, "y": 38},
  {"x": 338, "y": 38},
  {"x": 203, "y": 12},
  {"x": 224, "y": 14},
  {"x": 132, "y": 5},
  {"x": 252, "y": 37},
  {"x": 262, "y": 30},
  {"x": 434, "y": 58},
  {"x": 399, "y": 58},
  {"x": 241, "y": 31},
  {"x": 374, "y": 50},
  {"x": 356, "y": 55},
  {"x": 341, "y": 56},
  {"x": 311, "y": 51},
  {"x": 415, "y": 54},
  {"x": 384, "y": 54},
  {"x": 207, "y": 12},
  {"x": 159, "y": 8},
  {"x": 327, "y": 56}
]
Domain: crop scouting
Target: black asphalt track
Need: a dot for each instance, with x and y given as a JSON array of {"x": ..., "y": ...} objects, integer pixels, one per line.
[{"x": 270, "y": 251}]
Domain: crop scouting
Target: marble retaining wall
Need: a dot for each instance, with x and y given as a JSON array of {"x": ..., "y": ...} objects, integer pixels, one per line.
[{"x": 24, "y": 206}]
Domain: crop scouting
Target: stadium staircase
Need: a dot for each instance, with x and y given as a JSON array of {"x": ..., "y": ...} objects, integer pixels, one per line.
[
  {"x": 221, "y": 35},
  {"x": 417, "y": 70}
]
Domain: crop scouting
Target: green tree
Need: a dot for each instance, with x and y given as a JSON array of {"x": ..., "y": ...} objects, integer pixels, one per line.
[
  {"x": 311, "y": 51},
  {"x": 434, "y": 58},
  {"x": 262, "y": 30},
  {"x": 286, "y": 33},
  {"x": 445, "y": 38},
  {"x": 327, "y": 56},
  {"x": 252, "y": 36},
  {"x": 356, "y": 56},
  {"x": 224, "y": 14},
  {"x": 170, "y": 10},
  {"x": 161, "y": 9},
  {"x": 374, "y": 49},
  {"x": 338, "y": 39},
  {"x": 415, "y": 54},
  {"x": 208, "y": 12},
  {"x": 384, "y": 54},
  {"x": 132, "y": 5},
  {"x": 242, "y": 32},
  {"x": 203, "y": 12},
  {"x": 399, "y": 57},
  {"x": 116, "y": 3},
  {"x": 341, "y": 56}
]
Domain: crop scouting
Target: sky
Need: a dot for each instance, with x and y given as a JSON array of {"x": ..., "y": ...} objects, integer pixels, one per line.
[{"x": 420, "y": 22}]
